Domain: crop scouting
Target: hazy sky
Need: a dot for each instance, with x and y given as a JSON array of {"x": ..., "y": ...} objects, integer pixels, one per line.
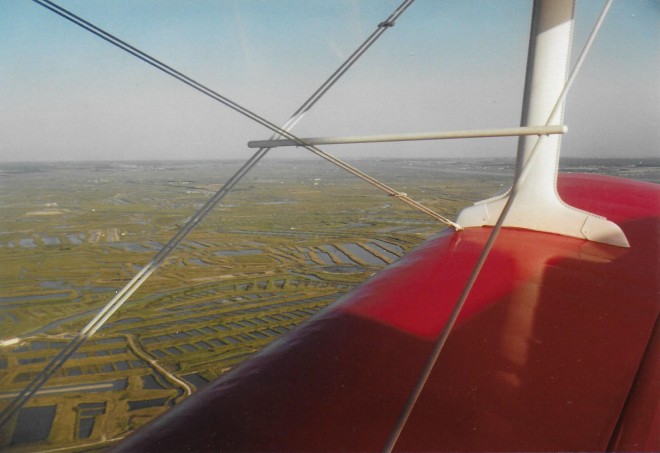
[{"x": 67, "y": 95}]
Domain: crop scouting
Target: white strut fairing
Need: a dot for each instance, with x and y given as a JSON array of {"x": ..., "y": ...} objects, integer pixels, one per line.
[{"x": 537, "y": 205}]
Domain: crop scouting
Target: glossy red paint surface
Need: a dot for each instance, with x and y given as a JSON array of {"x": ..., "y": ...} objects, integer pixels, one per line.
[
  {"x": 543, "y": 357},
  {"x": 639, "y": 425}
]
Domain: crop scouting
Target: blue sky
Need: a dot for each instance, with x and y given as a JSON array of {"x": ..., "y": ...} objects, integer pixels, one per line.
[{"x": 67, "y": 95}]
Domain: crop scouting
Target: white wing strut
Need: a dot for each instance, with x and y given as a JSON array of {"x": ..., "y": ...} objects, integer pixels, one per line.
[{"x": 537, "y": 205}]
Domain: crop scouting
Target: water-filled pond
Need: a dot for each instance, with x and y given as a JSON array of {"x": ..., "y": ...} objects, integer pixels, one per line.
[
  {"x": 363, "y": 254},
  {"x": 33, "y": 424},
  {"x": 143, "y": 404},
  {"x": 196, "y": 380},
  {"x": 338, "y": 253},
  {"x": 150, "y": 382}
]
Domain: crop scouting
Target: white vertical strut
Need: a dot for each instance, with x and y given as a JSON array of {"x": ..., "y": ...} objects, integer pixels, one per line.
[{"x": 538, "y": 205}]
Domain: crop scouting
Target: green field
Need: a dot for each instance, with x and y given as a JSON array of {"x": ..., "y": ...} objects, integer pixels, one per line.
[{"x": 292, "y": 238}]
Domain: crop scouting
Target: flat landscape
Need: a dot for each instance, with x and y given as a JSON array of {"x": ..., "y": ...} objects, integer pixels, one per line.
[{"x": 293, "y": 237}]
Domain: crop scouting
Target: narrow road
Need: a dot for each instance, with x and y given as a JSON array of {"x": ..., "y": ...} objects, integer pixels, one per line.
[
  {"x": 187, "y": 389},
  {"x": 66, "y": 389}
]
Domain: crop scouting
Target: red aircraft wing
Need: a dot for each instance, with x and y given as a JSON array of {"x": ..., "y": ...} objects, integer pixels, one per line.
[{"x": 543, "y": 356}]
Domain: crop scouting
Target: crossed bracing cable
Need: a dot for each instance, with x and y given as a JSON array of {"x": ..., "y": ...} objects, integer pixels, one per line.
[
  {"x": 134, "y": 284},
  {"x": 122, "y": 295}
]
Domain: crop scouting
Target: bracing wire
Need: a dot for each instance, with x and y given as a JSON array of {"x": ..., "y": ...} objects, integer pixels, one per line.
[
  {"x": 517, "y": 183},
  {"x": 109, "y": 309},
  {"x": 242, "y": 110}
]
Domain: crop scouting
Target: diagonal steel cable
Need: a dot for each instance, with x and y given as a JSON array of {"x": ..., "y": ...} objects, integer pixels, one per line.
[
  {"x": 242, "y": 110},
  {"x": 490, "y": 242},
  {"x": 122, "y": 296}
]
